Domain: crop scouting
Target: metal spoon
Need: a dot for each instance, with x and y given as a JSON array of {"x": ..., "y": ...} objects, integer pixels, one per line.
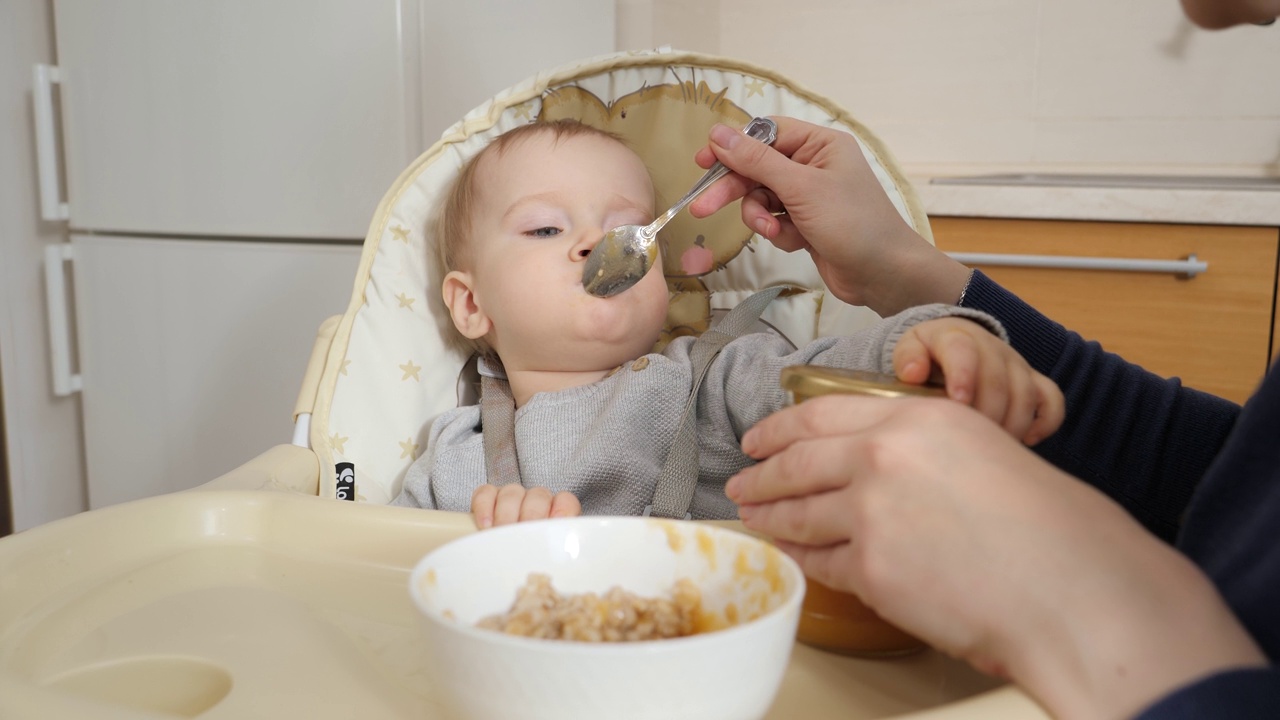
[{"x": 626, "y": 253}]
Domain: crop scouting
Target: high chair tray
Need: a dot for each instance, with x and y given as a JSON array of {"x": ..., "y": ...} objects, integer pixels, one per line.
[{"x": 272, "y": 605}]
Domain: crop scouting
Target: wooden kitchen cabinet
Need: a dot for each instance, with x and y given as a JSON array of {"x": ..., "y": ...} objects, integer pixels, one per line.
[{"x": 1216, "y": 331}]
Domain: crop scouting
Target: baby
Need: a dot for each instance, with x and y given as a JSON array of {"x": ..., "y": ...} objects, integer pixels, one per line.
[{"x": 596, "y": 410}]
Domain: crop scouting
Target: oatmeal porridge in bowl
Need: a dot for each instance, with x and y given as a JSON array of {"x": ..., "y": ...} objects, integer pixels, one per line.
[{"x": 607, "y": 617}]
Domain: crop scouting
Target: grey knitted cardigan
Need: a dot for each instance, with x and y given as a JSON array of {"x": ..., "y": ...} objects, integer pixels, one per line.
[{"x": 606, "y": 442}]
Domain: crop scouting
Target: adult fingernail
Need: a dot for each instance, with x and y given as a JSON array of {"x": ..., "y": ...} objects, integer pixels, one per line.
[
  {"x": 749, "y": 442},
  {"x": 724, "y": 136},
  {"x": 762, "y": 227},
  {"x": 484, "y": 522},
  {"x": 745, "y": 512}
]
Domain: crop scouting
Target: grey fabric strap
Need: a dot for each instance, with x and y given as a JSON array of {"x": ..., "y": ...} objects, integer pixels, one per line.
[
  {"x": 679, "y": 478},
  {"x": 498, "y": 418}
]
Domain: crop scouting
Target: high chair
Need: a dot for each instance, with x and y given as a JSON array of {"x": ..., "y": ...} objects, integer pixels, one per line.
[{"x": 279, "y": 589}]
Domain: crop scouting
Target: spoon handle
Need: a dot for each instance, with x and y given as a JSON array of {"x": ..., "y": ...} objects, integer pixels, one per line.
[{"x": 762, "y": 129}]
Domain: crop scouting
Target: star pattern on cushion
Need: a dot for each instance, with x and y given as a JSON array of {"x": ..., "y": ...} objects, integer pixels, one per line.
[
  {"x": 408, "y": 449},
  {"x": 401, "y": 233},
  {"x": 411, "y": 371},
  {"x": 754, "y": 87},
  {"x": 343, "y": 367},
  {"x": 338, "y": 442},
  {"x": 405, "y": 301}
]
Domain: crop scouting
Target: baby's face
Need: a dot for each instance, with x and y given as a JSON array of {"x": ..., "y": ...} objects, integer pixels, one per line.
[{"x": 541, "y": 207}]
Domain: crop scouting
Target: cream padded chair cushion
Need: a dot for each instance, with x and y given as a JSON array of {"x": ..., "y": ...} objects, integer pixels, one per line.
[{"x": 391, "y": 370}]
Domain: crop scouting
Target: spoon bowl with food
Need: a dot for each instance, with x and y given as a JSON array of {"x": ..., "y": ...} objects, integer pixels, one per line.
[{"x": 627, "y": 252}]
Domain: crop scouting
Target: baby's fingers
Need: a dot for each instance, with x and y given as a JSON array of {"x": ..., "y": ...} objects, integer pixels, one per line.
[
  {"x": 911, "y": 361},
  {"x": 1024, "y": 399},
  {"x": 482, "y": 504},
  {"x": 536, "y": 504},
  {"x": 565, "y": 504},
  {"x": 513, "y": 503},
  {"x": 508, "y": 507},
  {"x": 540, "y": 504},
  {"x": 1050, "y": 411},
  {"x": 960, "y": 359}
]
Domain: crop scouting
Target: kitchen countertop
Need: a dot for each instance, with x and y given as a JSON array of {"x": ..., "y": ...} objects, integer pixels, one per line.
[{"x": 1123, "y": 198}]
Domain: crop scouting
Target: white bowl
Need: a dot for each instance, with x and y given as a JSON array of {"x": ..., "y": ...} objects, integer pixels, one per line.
[{"x": 724, "y": 674}]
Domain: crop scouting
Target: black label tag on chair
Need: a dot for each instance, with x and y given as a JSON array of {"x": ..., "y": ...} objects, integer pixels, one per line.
[{"x": 346, "y": 480}]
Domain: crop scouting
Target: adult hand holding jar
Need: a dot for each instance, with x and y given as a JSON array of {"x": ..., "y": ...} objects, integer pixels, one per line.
[{"x": 955, "y": 532}]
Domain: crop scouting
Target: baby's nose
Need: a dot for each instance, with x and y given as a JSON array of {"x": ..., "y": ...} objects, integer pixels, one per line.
[{"x": 585, "y": 243}]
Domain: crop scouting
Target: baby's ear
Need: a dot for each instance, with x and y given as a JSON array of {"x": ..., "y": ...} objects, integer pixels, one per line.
[{"x": 467, "y": 315}]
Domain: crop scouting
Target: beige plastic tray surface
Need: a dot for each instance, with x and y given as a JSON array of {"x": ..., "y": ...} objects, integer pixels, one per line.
[{"x": 247, "y": 604}]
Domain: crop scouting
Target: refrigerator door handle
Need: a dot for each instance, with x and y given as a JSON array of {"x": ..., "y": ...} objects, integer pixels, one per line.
[
  {"x": 52, "y": 206},
  {"x": 55, "y": 286}
]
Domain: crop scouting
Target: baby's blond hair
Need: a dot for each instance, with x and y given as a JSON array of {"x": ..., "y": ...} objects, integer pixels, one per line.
[{"x": 454, "y": 219}]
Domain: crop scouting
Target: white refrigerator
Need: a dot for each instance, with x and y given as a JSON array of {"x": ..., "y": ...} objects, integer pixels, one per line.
[{"x": 217, "y": 163}]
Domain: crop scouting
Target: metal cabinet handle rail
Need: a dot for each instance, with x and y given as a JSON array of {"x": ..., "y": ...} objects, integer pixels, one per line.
[{"x": 1190, "y": 267}]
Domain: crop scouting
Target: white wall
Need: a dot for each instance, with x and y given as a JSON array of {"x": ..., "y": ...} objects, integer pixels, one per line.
[
  {"x": 999, "y": 85},
  {"x": 46, "y": 472}
]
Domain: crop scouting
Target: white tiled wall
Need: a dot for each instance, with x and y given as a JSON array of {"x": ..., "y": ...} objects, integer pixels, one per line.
[{"x": 998, "y": 85}]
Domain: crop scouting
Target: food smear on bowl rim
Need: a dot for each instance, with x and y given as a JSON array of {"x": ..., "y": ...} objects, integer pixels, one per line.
[
  {"x": 539, "y": 611},
  {"x": 675, "y": 538},
  {"x": 707, "y": 546},
  {"x": 764, "y": 565},
  {"x": 771, "y": 572},
  {"x": 767, "y": 581}
]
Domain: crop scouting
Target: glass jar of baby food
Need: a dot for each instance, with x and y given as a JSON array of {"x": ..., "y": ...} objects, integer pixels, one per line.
[{"x": 829, "y": 619}]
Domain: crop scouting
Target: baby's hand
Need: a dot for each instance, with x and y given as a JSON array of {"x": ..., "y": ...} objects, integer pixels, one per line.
[
  {"x": 981, "y": 371},
  {"x": 493, "y": 505}
]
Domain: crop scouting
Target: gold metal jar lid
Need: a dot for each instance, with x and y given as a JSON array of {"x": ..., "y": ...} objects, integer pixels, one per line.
[{"x": 806, "y": 381}]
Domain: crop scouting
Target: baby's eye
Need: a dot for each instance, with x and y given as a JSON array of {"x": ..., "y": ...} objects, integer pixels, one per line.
[{"x": 543, "y": 232}]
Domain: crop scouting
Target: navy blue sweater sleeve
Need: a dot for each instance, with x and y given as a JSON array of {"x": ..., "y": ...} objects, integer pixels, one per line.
[
  {"x": 1143, "y": 440},
  {"x": 1196, "y": 470},
  {"x": 1232, "y": 695}
]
